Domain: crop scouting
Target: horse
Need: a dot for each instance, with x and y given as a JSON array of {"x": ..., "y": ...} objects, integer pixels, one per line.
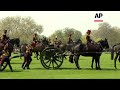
[
  {"x": 40, "y": 46},
  {"x": 15, "y": 42},
  {"x": 9, "y": 44},
  {"x": 12, "y": 42},
  {"x": 68, "y": 47},
  {"x": 93, "y": 51},
  {"x": 115, "y": 49}
]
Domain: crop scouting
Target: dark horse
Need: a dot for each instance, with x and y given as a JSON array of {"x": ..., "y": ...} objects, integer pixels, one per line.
[
  {"x": 40, "y": 46},
  {"x": 12, "y": 42},
  {"x": 68, "y": 47},
  {"x": 116, "y": 49},
  {"x": 93, "y": 51},
  {"x": 15, "y": 41}
]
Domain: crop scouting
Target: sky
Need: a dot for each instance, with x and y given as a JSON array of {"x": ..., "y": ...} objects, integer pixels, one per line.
[{"x": 55, "y": 20}]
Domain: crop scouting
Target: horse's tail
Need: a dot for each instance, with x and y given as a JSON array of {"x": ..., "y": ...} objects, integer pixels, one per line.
[{"x": 112, "y": 53}]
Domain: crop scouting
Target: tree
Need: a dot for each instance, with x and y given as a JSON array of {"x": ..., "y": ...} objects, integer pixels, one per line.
[
  {"x": 107, "y": 31},
  {"x": 62, "y": 34},
  {"x": 20, "y": 27}
]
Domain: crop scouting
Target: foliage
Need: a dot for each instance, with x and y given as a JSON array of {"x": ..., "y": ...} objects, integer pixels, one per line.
[
  {"x": 20, "y": 27},
  {"x": 62, "y": 34}
]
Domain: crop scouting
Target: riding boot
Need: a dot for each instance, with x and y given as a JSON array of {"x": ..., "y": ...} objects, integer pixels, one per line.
[{"x": 27, "y": 65}]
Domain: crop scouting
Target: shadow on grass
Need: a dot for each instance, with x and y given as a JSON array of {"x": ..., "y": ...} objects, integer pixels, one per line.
[
  {"x": 16, "y": 63},
  {"x": 102, "y": 69},
  {"x": 11, "y": 71}
]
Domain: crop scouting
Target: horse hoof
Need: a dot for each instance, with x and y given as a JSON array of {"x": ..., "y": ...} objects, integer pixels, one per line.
[
  {"x": 23, "y": 68},
  {"x": 28, "y": 68},
  {"x": 71, "y": 61},
  {"x": 92, "y": 67},
  {"x": 78, "y": 68}
]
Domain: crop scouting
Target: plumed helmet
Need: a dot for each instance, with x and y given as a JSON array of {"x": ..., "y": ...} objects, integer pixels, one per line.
[
  {"x": 35, "y": 34},
  {"x": 5, "y": 31},
  {"x": 88, "y": 31},
  {"x": 70, "y": 34}
]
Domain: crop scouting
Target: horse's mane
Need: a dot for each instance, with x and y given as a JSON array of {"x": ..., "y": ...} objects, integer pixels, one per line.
[
  {"x": 116, "y": 45},
  {"x": 100, "y": 41}
]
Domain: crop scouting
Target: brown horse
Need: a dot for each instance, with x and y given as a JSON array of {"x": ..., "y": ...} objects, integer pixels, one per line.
[
  {"x": 115, "y": 49},
  {"x": 94, "y": 51},
  {"x": 66, "y": 48},
  {"x": 40, "y": 46}
]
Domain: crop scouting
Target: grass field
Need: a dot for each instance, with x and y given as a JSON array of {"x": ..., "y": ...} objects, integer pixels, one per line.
[{"x": 66, "y": 71}]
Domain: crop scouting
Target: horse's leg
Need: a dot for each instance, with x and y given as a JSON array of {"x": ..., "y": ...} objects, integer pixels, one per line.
[
  {"x": 92, "y": 62},
  {"x": 99, "y": 62},
  {"x": 76, "y": 58},
  {"x": 117, "y": 54},
  {"x": 71, "y": 57},
  {"x": 119, "y": 57},
  {"x": 8, "y": 62},
  {"x": 34, "y": 54},
  {"x": 96, "y": 62},
  {"x": 37, "y": 55}
]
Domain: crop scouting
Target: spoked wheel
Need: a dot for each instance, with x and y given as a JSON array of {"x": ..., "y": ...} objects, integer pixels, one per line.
[
  {"x": 3, "y": 66},
  {"x": 51, "y": 58}
]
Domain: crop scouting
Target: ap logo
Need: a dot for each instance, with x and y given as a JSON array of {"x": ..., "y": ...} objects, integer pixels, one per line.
[{"x": 98, "y": 17}]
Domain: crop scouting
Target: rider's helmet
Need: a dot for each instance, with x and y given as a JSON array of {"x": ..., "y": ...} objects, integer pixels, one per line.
[
  {"x": 88, "y": 31},
  {"x": 5, "y": 31}
]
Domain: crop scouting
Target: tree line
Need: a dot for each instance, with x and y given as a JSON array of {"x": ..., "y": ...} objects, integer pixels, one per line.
[{"x": 25, "y": 27}]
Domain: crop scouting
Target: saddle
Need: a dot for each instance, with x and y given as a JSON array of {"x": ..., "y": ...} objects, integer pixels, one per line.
[
  {"x": 33, "y": 44},
  {"x": 91, "y": 46}
]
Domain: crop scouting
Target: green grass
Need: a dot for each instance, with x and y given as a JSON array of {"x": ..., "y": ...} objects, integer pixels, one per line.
[{"x": 66, "y": 71}]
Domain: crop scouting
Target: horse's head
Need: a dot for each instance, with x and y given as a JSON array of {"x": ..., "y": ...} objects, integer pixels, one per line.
[
  {"x": 78, "y": 41},
  {"x": 15, "y": 41},
  {"x": 104, "y": 43},
  {"x": 45, "y": 41}
]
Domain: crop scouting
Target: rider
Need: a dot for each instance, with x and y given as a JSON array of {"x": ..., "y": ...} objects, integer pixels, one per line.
[
  {"x": 5, "y": 56},
  {"x": 4, "y": 37},
  {"x": 35, "y": 39},
  {"x": 56, "y": 42},
  {"x": 88, "y": 38},
  {"x": 70, "y": 38}
]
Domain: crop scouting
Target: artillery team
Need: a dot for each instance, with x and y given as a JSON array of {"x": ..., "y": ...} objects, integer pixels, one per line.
[{"x": 36, "y": 42}]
